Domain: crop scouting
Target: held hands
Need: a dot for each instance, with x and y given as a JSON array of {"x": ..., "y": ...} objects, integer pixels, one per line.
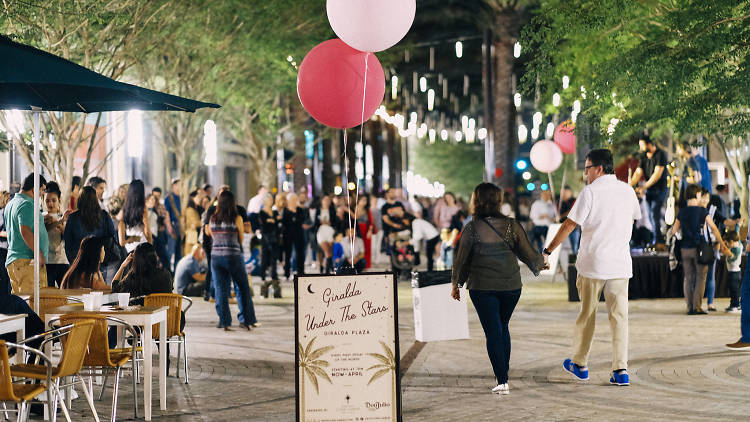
[
  {"x": 455, "y": 293},
  {"x": 546, "y": 262}
]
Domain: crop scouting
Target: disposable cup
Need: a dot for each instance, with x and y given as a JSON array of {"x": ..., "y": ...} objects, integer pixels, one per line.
[
  {"x": 123, "y": 299},
  {"x": 88, "y": 302}
]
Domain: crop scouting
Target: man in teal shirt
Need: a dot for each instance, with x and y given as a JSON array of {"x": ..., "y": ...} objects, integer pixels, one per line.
[{"x": 19, "y": 223}]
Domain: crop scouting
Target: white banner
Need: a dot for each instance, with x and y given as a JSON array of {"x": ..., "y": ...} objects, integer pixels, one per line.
[{"x": 347, "y": 354}]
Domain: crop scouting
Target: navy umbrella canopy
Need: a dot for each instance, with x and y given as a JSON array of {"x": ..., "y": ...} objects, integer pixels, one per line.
[{"x": 34, "y": 79}]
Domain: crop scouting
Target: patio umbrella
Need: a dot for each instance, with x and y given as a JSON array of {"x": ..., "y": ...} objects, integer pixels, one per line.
[{"x": 32, "y": 79}]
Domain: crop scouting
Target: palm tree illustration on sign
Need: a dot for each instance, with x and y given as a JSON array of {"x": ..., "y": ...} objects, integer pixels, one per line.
[
  {"x": 311, "y": 364},
  {"x": 387, "y": 364}
]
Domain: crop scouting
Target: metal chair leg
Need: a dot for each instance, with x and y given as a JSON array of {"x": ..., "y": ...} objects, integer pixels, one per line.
[
  {"x": 135, "y": 390},
  {"x": 21, "y": 410},
  {"x": 89, "y": 399},
  {"x": 59, "y": 399},
  {"x": 5, "y": 410},
  {"x": 104, "y": 383},
  {"x": 28, "y": 411},
  {"x": 179, "y": 355},
  {"x": 184, "y": 357},
  {"x": 115, "y": 393},
  {"x": 69, "y": 392}
]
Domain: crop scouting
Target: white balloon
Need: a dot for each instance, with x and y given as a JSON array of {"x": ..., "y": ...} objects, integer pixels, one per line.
[{"x": 371, "y": 25}]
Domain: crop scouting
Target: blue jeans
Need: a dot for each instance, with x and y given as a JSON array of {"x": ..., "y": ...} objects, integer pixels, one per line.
[
  {"x": 494, "y": 309},
  {"x": 745, "y": 305},
  {"x": 224, "y": 270},
  {"x": 575, "y": 240},
  {"x": 734, "y": 280},
  {"x": 539, "y": 236},
  {"x": 655, "y": 200},
  {"x": 711, "y": 282}
]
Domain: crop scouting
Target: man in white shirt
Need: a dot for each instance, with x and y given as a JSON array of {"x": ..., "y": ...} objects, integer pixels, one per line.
[
  {"x": 605, "y": 210},
  {"x": 256, "y": 202},
  {"x": 542, "y": 214},
  {"x": 254, "y": 205},
  {"x": 424, "y": 231}
]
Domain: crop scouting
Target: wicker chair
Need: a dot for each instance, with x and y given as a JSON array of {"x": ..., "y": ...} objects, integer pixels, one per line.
[
  {"x": 75, "y": 339},
  {"x": 100, "y": 356},
  {"x": 21, "y": 394},
  {"x": 174, "y": 314},
  {"x": 48, "y": 302}
]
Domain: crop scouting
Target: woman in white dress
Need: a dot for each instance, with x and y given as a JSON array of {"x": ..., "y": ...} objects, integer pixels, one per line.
[{"x": 134, "y": 228}]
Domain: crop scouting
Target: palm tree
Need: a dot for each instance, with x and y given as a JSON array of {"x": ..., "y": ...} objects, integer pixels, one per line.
[
  {"x": 504, "y": 17},
  {"x": 387, "y": 364},
  {"x": 310, "y": 363}
]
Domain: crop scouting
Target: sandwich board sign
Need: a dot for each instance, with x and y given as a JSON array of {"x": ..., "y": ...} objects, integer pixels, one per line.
[{"x": 347, "y": 349}]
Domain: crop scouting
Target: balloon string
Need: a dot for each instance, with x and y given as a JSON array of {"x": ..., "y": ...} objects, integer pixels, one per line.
[
  {"x": 348, "y": 198},
  {"x": 361, "y": 137}
]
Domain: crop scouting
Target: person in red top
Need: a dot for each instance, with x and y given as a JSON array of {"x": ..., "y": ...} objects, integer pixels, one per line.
[
  {"x": 75, "y": 192},
  {"x": 365, "y": 225}
]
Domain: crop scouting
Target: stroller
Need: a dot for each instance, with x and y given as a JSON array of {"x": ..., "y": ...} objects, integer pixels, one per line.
[{"x": 403, "y": 257}]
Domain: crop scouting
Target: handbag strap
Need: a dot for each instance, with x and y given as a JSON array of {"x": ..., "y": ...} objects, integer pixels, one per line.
[{"x": 505, "y": 239}]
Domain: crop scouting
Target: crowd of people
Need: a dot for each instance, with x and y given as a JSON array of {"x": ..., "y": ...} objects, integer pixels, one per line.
[{"x": 210, "y": 244}]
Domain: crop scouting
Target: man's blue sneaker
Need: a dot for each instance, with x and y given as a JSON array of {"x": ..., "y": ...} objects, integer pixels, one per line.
[
  {"x": 620, "y": 378},
  {"x": 580, "y": 372}
]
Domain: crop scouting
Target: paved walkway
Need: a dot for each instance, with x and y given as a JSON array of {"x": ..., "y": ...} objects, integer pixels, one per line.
[{"x": 678, "y": 368}]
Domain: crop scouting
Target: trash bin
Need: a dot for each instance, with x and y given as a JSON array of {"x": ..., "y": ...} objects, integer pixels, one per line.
[{"x": 437, "y": 316}]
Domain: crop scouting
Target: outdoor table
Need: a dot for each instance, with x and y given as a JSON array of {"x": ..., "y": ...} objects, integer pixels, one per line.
[
  {"x": 76, "y": 294},
  {"x": 137, "y": 316},
  {"x": 17, "y": 323},
  {"x": 653, "y": 279},
  {"x": 107, "y": 295}
]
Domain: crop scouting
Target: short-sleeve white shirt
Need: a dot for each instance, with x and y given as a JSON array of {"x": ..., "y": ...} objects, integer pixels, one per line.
[{"x": 605, "y": 210}]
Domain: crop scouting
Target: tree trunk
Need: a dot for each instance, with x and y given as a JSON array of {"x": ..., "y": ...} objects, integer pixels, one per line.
[
  {"x": 300, "y": 162},
  {"x": 738, "y": 176},
  {"x": 506, "y": 31},
  {"x": 329, "y": 179},
  {"x": 302, "y": 394}
]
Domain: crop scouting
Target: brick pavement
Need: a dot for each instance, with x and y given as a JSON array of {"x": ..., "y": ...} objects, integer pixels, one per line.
[{"x": 678, "y": 368}]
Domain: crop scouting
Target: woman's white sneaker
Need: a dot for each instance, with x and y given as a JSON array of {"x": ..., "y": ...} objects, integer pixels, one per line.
[{"x": 501, "y": 389}]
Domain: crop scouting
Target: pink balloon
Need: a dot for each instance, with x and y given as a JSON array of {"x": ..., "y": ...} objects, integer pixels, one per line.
[
  {"x": 565, "y": 137},
  {"x": 331, "y": 81},
  {"x": 545, "y": 156},
  {"x": 371, "y": 25}
]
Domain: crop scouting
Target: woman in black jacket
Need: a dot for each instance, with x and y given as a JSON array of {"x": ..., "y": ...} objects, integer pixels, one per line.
[{"x": 487, "y": 261}]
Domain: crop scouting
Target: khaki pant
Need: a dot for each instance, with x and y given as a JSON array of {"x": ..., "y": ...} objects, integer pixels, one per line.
[
  {"x": 694, "y": 284},
  {"x": 616, "y": 297},
  {"x": 21, "y": 274}
]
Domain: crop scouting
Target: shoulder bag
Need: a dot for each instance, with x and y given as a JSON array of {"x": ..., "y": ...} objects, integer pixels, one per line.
[{"x": 705, "y": 250}]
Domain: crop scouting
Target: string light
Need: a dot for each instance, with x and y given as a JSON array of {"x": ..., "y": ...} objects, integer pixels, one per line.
[
  {"x": 565, "y": 82},
  {"x": 523, "y": 133},
  {"x": 550, "y": 130},
  {"x": 537, "y": 118},
  {"x": 482, "y": 134},
  {"x": 517, "y": 100},
  {"x": 459, "y": 49},
  {"x": 556, "y": 99},
  {"x": 517, "y": 50},
  {"x": 423, "y": 84},
  {"x": 458, "y": 136},
  {"x": 432, "y": 135},
  {"x": 431, "y": 99},
  {"x": 444, "y": 135},
  {"x": 535, "y": 133},
  {"x": 394, "y": 87}
]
